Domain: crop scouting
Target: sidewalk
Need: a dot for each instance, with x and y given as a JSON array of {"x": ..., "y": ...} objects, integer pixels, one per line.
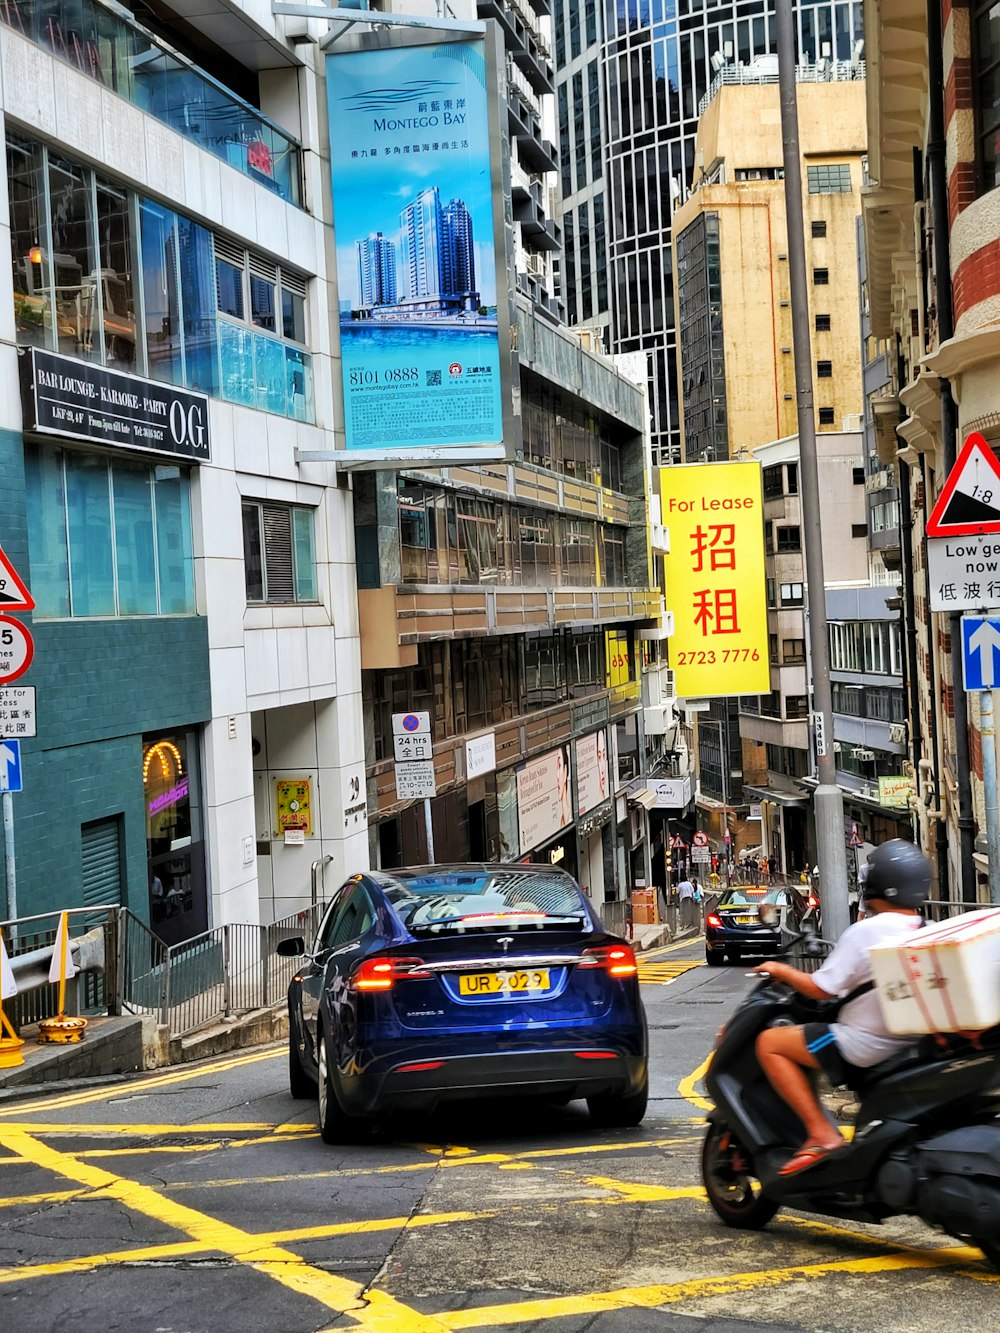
[{"x": 652, "y": 937}]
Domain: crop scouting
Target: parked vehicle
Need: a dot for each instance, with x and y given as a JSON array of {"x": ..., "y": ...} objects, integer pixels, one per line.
[
  {"x": 734, "y": 929},
  {"x": 926, "y": 1141},
  {"x": 442, "y": 983}
]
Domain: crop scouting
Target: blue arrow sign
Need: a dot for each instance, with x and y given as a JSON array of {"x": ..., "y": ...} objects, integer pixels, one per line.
[
  {"x": 10, "y": 766},
  {"x": 981, "y": 652}
]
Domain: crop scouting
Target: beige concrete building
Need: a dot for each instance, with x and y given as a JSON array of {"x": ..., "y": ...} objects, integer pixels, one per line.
[{"x": 731, "y": 267}]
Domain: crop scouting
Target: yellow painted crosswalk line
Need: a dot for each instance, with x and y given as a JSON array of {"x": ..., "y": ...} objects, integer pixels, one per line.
[{"x": 663, "y": 971}]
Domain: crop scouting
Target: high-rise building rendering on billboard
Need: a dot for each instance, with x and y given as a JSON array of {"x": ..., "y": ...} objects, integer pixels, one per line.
[
  {"x": 420, "y": 228},
  {"x": 631, "y": 81},
  {"x": 458, "y": 256},
  {"x": 376, "y": 270}
]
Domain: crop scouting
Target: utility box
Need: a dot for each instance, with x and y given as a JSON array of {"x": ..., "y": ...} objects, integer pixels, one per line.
[
  {"x": 644, "y": 909},
  {"x": 945, "y": 978}
]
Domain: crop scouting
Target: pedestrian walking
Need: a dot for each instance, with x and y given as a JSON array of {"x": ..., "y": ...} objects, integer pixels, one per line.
[{"x": 685, "y": 892}]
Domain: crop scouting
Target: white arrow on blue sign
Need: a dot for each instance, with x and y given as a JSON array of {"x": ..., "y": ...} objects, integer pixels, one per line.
[
  {"x": 10, "y": 766},
  {"x": 981, "y": 652}
]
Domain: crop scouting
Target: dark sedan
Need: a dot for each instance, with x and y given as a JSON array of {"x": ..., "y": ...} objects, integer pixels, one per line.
[
  {"x": 734, "y": 929},
  {"x": 452, "y": 982}
]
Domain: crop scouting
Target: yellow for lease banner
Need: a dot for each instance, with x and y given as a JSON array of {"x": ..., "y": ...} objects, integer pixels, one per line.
[{"x": 715, "y": 578}]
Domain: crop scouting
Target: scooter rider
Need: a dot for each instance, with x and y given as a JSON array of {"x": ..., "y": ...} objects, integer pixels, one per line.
[{"x": 899, "y": 876}]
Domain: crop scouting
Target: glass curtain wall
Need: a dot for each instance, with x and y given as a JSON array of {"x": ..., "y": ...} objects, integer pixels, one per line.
[{"x": 88, "y": 256}]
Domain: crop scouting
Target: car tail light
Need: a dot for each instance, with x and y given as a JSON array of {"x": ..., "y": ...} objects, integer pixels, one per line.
[
  {"x": 713, "y": 920},
  {"x": 617, "y": 960},
  {"x": 382, "y": 973}
]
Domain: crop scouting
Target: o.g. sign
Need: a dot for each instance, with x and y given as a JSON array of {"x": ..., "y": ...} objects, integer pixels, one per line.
[{"x": 62, "y": 396}]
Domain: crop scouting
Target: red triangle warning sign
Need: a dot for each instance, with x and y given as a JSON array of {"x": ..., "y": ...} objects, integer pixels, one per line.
[
  {"x": 14, "y": 596},
  {"x": 969, "y": 504}
]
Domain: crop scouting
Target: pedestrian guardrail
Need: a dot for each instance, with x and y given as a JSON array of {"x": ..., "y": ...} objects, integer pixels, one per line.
[
  {"x": 29, "y": 942},
  {"x": 124, "y": 967}
]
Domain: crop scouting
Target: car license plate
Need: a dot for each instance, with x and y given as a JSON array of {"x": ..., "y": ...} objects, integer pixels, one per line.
[
  {"x": 503, "y": 983},
  {"x": 746, "y": 920}
]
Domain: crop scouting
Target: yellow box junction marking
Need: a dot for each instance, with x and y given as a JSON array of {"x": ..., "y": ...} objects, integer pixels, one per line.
[{"x": 661, "y": 972}]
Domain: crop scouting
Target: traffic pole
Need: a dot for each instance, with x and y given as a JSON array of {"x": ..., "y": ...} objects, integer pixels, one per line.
[
  {"x": 828, "y": 800},
  {"x": 9, "y": 867},
  {"x": 987, "y": 732}
]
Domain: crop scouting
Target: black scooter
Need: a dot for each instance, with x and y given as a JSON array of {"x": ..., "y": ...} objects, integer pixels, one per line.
[{"x": 926, "y": 1141}]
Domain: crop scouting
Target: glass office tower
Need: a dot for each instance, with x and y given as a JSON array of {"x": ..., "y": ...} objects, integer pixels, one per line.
[{"x": 631, "y": 77}]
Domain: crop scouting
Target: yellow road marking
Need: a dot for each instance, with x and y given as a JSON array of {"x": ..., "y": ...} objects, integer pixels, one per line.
[
  {"x": 142, "y": 1087},
  {"x": 374, "y": 1310},
  {"x": 82, "y": 1130},
  {"x": 662, "y": 974},
  {"x": 526, "y": 1312},
  {"x": 26, "y": 1200},
  {"x": 689, "y": 942},
  {"x": 686, "y": 1087}
]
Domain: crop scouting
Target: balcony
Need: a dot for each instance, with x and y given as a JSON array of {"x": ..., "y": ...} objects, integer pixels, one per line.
[
  {"x": 523, "y": 39},
  {"x": 120, "y": 54},
  {"x": 423, "y": 614}
]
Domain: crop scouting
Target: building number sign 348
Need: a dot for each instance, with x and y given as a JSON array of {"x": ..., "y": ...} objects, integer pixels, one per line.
[{"x": 16, "y": 648}]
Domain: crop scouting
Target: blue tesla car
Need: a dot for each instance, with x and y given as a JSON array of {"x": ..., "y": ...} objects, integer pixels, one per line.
[{"x": 451, "y": 982}]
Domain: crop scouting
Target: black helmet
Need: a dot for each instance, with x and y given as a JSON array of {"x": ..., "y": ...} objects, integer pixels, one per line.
[{"x": 898, "y": 873}]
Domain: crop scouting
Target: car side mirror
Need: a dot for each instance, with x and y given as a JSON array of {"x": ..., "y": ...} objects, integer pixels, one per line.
[{"x": 294, "y": 947}]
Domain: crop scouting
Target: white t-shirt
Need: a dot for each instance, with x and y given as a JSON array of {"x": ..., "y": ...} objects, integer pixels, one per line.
[
  {"x": 685, "y": 889},
  {"x": 859, "y": 1032}
]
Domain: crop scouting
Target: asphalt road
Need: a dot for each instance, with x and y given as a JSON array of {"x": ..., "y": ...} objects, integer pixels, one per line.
[{"x": 200, "y": 1199}]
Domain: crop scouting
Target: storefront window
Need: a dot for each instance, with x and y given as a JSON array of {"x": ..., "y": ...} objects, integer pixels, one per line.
[
  {"x": 175, "y": 850},
  {"x": 83, "y": 564},
  {"x": 74, "y": 259},
  {"x": 30, "y": 246}
]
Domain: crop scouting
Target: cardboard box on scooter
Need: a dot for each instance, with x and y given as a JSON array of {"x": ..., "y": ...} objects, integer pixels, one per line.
[{"x": 944, "y": 978}]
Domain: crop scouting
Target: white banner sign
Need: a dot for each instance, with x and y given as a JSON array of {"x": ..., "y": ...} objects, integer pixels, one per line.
[
  {"x": 591, "y": 771},
  {"x": 480, "y": 755},
  {"x": 543, "y": 798}
]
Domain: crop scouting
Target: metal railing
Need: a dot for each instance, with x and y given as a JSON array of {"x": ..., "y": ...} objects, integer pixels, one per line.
[
  {"x": 93, "y": 991},
  {"x": 940, "y": 909},
  {"x": 230, "y": 970}
]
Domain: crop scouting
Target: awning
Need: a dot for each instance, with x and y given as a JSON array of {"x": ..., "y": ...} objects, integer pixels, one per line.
[
  {"x": 644, "y": 797},
  {"x": 775, "y": 796}
]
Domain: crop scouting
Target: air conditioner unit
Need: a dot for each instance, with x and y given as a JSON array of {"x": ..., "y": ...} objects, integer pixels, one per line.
[
  {"x": 860, "y": 752},
  {"x": 668, "y": 683}
]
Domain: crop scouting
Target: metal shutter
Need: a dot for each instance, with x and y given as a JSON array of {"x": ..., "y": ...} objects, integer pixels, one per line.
[
  {"x": 102, "y": 863},
  {"x": 278, "y": 561}
]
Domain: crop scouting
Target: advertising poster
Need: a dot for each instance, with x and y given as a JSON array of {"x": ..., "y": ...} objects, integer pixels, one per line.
[
  {"x": 715, "y": 578},
  {"x": 895, "y": 791},
  {"x": 591, "y": 771},
  {"x": 544, "y": 805},
  {"x": 416, "y": 249}
]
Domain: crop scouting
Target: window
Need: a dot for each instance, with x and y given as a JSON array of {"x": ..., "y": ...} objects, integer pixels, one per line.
[
  {"x": 773, "y": 484},
  {"x": 859, "y": 529},
  {"x": 770, "y": 592},
  {"x": 818, "y": 230},
  {"x": 858, "y": 476},
  {"x": 824, "y": 370},
  {"x": 89, "y": 255},
  {"x": 107, "y": 537},
  {"x": 278, "y": 553},
  {"x": 772, "y": 647},
  {"x": 789, "y": 539},
  {"x": 793, "y": 651},
  {"x": 826, "y": 416},
  {"x": 986, "y": 103},
  {"x": 614, "y": 572},
  {"x": 793, "y": 478},
  {"x": 832, "y": 179},
  {"x": 822, "y": 323},
  {"x": 791, "y": 594},
  {"x": 821, "y": 277},
  {"x": 796, "y": 706},
  {"x": 579, "y": 548}
]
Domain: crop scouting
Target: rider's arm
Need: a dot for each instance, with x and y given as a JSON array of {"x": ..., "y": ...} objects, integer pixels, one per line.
[{"x": 802, "y": 982}]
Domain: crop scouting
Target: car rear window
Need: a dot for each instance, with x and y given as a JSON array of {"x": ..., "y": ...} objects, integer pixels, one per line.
[{"x": 485, "y": 899}]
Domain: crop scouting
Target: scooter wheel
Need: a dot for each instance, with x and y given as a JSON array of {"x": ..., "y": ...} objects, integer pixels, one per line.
[
  {"x": 733, "y": 1190},
  {"x": 992, "y": 1251}
]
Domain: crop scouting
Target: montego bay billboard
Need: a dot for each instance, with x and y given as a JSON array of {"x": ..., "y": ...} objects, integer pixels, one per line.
[{"x": 419, "y": 222}]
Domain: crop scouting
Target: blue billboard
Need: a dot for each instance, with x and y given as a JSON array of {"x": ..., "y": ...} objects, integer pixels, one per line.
[{"x": 416, "y": 224}]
